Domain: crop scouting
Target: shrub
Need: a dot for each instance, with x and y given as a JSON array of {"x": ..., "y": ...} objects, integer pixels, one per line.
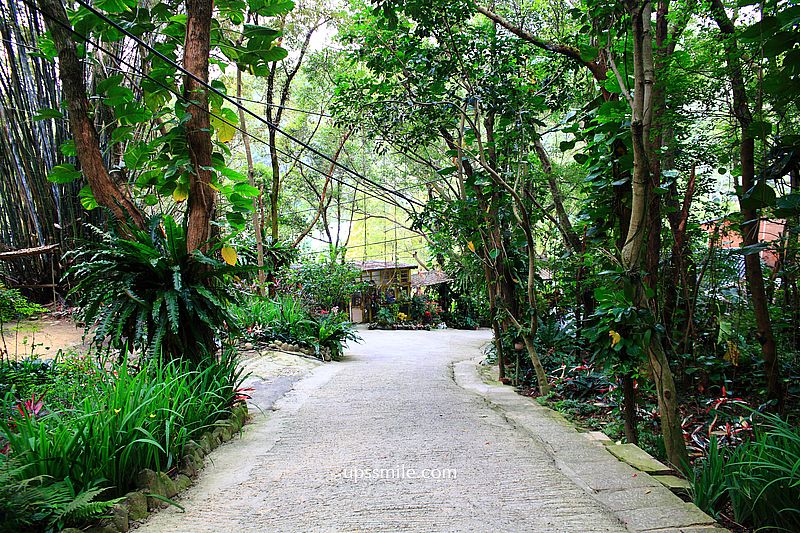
[
  {"x": 326, "y": 283},
  {"x": 14, "y": 306},
  {"x": 759, "y": 479},
  {"x": 288, "y": 320},
  {"x": 146, "y": 292},
  {"x": 137, "y": 418}
]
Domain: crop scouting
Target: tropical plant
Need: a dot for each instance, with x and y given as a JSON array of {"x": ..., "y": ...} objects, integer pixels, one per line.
[
  {"x": 145, "y": 292},
  {"x": 40, "y": 504},
  {"x": 326, "y": 283},
  {"x": 137, "y": 418},
  {"x": 759, "y": 479},
  {"x": 14, "y": 305},
  {"x": 288, "y": 319}
]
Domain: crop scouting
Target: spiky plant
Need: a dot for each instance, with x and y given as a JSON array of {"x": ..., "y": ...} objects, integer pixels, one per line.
[{"x": 143, "y": 290}]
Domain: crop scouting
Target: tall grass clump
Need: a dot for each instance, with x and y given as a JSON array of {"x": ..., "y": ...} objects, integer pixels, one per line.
[
  {"x": 134, "y": 419},
  {"x": 758, "y": 480}
]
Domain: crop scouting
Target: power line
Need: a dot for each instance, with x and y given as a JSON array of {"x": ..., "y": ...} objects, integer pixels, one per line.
[
  {"x": 224, "y": 96},
  {"x": 139, "y": 73},
  {"x": 306, "y": 111}
]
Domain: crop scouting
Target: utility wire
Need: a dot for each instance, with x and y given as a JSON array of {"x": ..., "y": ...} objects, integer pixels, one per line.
[
  {"x": 138, "y": 72},
  {"x": 224, "y": 96}
]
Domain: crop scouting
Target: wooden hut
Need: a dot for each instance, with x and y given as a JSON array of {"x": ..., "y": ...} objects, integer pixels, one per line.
[{"x": 388, "y": 283}]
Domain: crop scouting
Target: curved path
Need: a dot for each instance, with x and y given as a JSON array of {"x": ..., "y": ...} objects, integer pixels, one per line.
[{"x": 386, "y": 441}]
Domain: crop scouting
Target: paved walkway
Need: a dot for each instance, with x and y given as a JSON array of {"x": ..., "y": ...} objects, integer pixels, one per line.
[{"x": 387, "y": 441}]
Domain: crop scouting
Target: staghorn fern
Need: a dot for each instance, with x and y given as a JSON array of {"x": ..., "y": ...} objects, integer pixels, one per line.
[{"x": 145, "y": 292}]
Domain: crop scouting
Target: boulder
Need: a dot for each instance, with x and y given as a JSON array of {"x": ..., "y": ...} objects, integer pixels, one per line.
[
  {"x": 119, "y": 517},
  {"x": 182, "y": 482},
  {"x": 136, "y": 502}
]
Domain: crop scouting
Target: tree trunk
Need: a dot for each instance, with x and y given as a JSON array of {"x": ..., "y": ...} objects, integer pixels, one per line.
[
  {"x": 751, "y": 220},
  {"x": 108, "y": 193},
  {"x": 641, "y": 122},
  {"x": 629, "y": 408},
  {"x": 251, "y": 178},
  {"x": 202, "y": 198}
]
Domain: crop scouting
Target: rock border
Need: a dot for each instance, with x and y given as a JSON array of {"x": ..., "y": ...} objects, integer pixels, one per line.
[
  {"x": 641, "y": 501},
  {"x": 153, "y": 488}
]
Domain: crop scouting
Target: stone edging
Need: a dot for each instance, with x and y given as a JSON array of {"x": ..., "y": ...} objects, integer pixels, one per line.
[
  {"x": 137, "y": 505},
  {"x": 636, "y": 497}
]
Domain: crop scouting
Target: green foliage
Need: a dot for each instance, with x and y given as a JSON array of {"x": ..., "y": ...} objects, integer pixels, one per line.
[
  {"x": 144, "y": 291},
  {"x": 64, "y": 381},
  {"x": 759, "y": 479},
  {"x": 31, "y": 503},
  {"x": 135, "y": 419},
  {"x": 387, "y": 315},
  {"x": 326, "y": 283},
  {"x": 14, "y": 306},
  {"x": 289, "y": 320}
]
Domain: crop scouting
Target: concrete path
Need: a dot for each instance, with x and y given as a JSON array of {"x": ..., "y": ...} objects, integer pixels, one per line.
[{"x": 388, "y": 441}]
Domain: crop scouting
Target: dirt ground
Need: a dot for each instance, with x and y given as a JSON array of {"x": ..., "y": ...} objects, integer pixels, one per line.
[{"x": 42, "y": 338}]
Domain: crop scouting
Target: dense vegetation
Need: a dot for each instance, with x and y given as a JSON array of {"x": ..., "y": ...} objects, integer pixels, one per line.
[{"x": 613, "y": 187}]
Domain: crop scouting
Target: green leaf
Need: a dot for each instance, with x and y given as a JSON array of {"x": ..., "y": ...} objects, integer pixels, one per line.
[
  {"x": 760, "y": 196},
  {"x": 246, "y": 189},
  {"x": 109, "y": 83},
  {"x": 788, "y": 205},
  {"x": 67, "y": 148},
  {"x": 115, "y": 6},
  {"x": 132, "y": 113},
  {"x": 117, "y": 95},
  {"x": 271, "y": 8},
  {"x": 87, "y": 198},
  {"x": 588, "y": 53},
  {"x": 760, "y": 129},
  {"x": 65, "y": 173},
  {"x": 48, "y": 113}
]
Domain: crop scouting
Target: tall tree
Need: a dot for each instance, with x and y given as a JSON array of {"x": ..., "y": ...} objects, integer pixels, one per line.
[{"x": 751, "y": 218}]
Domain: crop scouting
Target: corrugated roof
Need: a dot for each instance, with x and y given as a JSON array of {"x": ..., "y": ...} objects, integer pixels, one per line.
[
  {"x": 381, "y": 265},
  {"x": 428, "y": 278}
]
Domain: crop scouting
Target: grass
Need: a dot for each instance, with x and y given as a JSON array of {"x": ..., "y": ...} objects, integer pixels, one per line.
[
  {"x": 759, "y": 479},
  {"x": 134, "y": 418}
]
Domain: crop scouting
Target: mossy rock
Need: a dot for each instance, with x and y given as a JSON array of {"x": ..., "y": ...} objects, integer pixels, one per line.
[
  {"x": 136, "y": 502},
  {"x": 120, "y": 517},
  {"x": 182, "y": 482}
]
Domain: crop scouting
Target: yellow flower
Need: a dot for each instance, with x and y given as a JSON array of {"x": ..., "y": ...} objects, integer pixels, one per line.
[
  {"x": 153, "y": 415},
  {"x": 116, "y": 411},
  {"x": 615, "y": 337}
]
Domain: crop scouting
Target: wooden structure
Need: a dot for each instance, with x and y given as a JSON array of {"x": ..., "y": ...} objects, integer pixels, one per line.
[{"x": 388, "y": 283}]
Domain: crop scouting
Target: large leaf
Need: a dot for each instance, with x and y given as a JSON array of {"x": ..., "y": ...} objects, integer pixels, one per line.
[
  {"x": 760, "y": 196},
  {"x": 65, "y": 173},
  {"x": 224, "y": 122}
]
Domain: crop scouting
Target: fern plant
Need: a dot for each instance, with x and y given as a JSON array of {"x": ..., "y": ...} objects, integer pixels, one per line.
[
  {"x": 41, "y": 504},
  {"x": 144, "y": 291}
]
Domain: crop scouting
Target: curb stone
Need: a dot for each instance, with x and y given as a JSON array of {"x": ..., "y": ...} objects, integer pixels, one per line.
[
  {"x": 136, "y": 505},
  {"x": 636, "y": 498}
]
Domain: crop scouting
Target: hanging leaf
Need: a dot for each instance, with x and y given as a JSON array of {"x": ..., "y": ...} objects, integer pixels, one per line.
[
  {"x": 271, "y": 8},
  {"x": 115, "y": 6},
  {"x": 48, "y": 113},
  {"x": 224, "y": 122},
  {"x": 229, "y": 255},
  {"x": 180, "y": 193},
  {"x": 471, "y": 246},
  {"x": 761, "y": 195}
]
